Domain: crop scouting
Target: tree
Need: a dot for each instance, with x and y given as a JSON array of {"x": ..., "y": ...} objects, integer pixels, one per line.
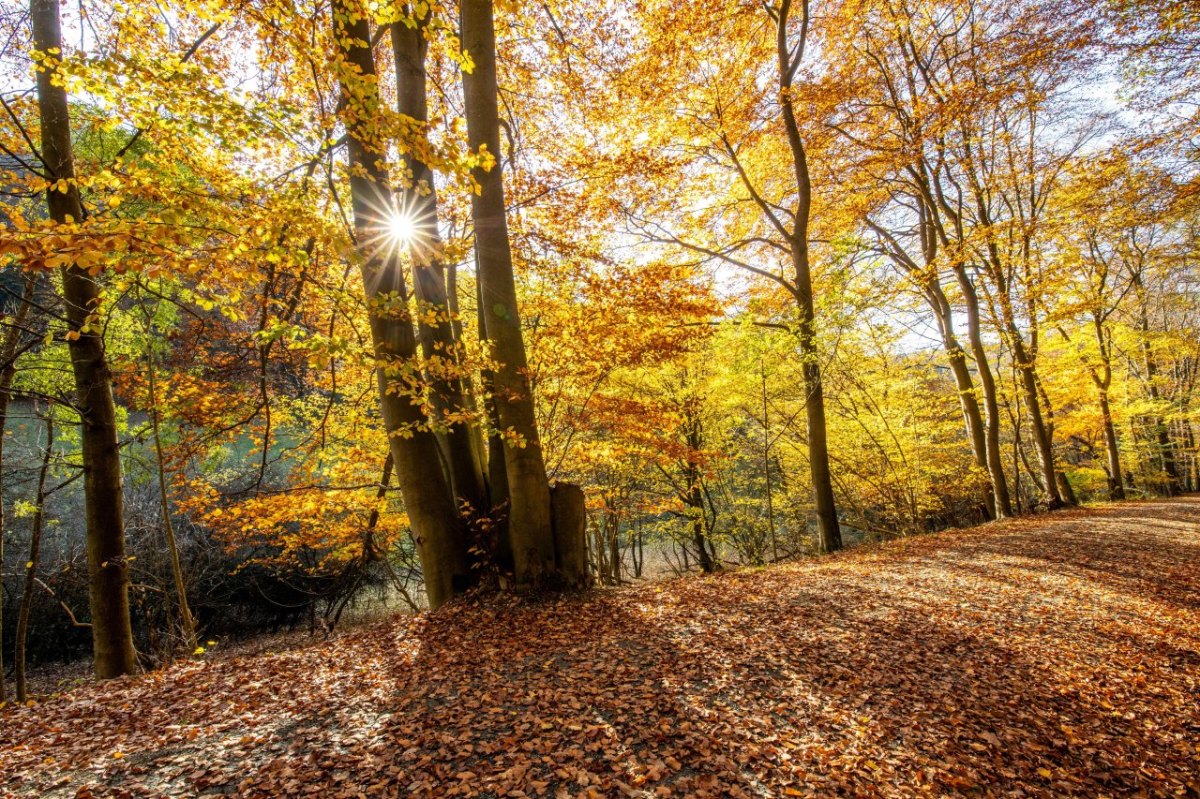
[
  {"x": 16, "y": 338},
  {"x": 437, "y": 527},
  {"x": 529, "y": 524},
  {"x": 460, "y": 441},
  {"x": 31, "y": 565},
  {"x": 749, "y": 128},
  {"x": 901, "y": 81},
  {"x": 112, "y": 634}
]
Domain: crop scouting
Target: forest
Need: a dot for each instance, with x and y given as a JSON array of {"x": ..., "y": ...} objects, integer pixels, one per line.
[{"x": 314, "y": 311}]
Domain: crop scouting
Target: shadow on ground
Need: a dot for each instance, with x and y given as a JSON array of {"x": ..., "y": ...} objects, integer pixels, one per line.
[{"x": 1051, "y": 656}]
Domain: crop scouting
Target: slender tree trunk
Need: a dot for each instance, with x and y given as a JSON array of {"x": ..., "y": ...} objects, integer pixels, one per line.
[
  {"x": 478, "y": 441},
  {"x": 436, "y": 329},
  {"x": 436, "y": 526},
  {"x": 829, "y": 532},
  {"x": 972, "y": 418},
  {"x": 1189, "y": 439},
  {"x": 967, "y": 399},
  {"x": 1102, "y": 377},
  {"x": 991, "y": 404},
  {"x": 528, "y": 487},
  {"x": 1038, "y": 429},
  {"x": 108, "y": 579},
  {"x": 31, "y": 565},
  {"x": 704, "y": 558},
  {"x": 614, "y": 553},
  {"x": 766, "y": 456},
  {"x": 186, "y": 621},
  {"x": 1116, "y": 485},
  {"x": 694, "y": 498},
  {"x": 1161, "y": 437},
  {"x": 8, "y": 370},
  {"x": 639, "y": 558}
]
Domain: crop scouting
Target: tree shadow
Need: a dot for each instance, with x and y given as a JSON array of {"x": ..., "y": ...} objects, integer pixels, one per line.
[
  {"x": 1050, "y": 659},
  {"x": 942, "y": 673}
]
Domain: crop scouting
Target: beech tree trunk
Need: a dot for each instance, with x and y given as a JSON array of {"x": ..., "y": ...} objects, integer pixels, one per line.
[
  {"x": 438, "y": 341},
  {"x": 570, "y": 533},
  {"x": 1064, "y": 489},
  {"x": 186, "y": 621},
  {"x": 972, "y": 418},
  {"x": 829, "y": 532},
  {"x": 1116, "y": 485},
  {"x": 9, "y": 352},
  {"x": 991, "y": 405},
  {"x": 530, "y": 532},
  {"x": 497, "y": 476},
  {"x": 967, "y": 399},
  {"x": 1038, "y": 429},
  {"x": 436, "y": 526},
  {"x": 31, "y": 565},
  {"x": 108, "y": 580}
]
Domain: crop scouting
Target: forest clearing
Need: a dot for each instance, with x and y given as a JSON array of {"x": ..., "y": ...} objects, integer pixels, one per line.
[{"x": 1052, "y": 655}]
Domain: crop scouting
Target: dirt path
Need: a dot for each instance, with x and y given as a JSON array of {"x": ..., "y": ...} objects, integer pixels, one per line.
[{"x": 1056, "y": 655}]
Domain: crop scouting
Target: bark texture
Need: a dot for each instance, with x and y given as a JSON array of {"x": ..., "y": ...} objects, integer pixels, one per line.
[
  {"x": 529, "y": 522},
  {"x": 829, "y": 534},
  {"x": 436, "y": 525},
  {"x": 418, "y": 199},
  {"x": 108, "y": 580}
]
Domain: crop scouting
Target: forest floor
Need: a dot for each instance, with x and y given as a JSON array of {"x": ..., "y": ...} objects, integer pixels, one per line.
[{"x": 1056, "y": 655}]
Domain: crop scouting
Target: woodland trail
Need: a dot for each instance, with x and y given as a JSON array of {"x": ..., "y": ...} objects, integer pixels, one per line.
[{"x": 1048, "y": 656}]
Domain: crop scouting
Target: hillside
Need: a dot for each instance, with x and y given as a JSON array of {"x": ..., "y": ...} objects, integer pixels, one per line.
[{"x": 1052, "y": 655}]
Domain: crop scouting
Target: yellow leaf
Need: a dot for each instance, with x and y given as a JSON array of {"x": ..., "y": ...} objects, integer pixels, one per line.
[{"x": 1045, "y": 772}]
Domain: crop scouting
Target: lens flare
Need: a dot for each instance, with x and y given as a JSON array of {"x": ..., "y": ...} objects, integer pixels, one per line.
[{"x": 401, "y": 228}]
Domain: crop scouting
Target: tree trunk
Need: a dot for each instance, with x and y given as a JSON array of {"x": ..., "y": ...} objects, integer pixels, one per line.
[
  {"x": 695, "y": 501},
  {"x": 828, "y": 530},
  {"x": 31, "y": 565},
  {"x": 438, "y": 341},
  {"x": 570, "y": 533},
  {"x": 436, "y": 526},
  {"x": 987, "y": 386},
  {"x": 1116, "y": 486},
  {"x": 108, "y": 580},
  {"x": 186, "y": 621},
  {"x": 497, "y": 474},
  {"x": 528, "y": 487},
  {"x": 1023, "y": 361},
  {"x": 966, "y": 395},
  {"x": 1037, "y": 424},
  {"x": 639, "y": 552},
  {"x": 8, "y": 370},
  {"x": 1166, "y": 452},
  {"x": 1064, "y": 489}
]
